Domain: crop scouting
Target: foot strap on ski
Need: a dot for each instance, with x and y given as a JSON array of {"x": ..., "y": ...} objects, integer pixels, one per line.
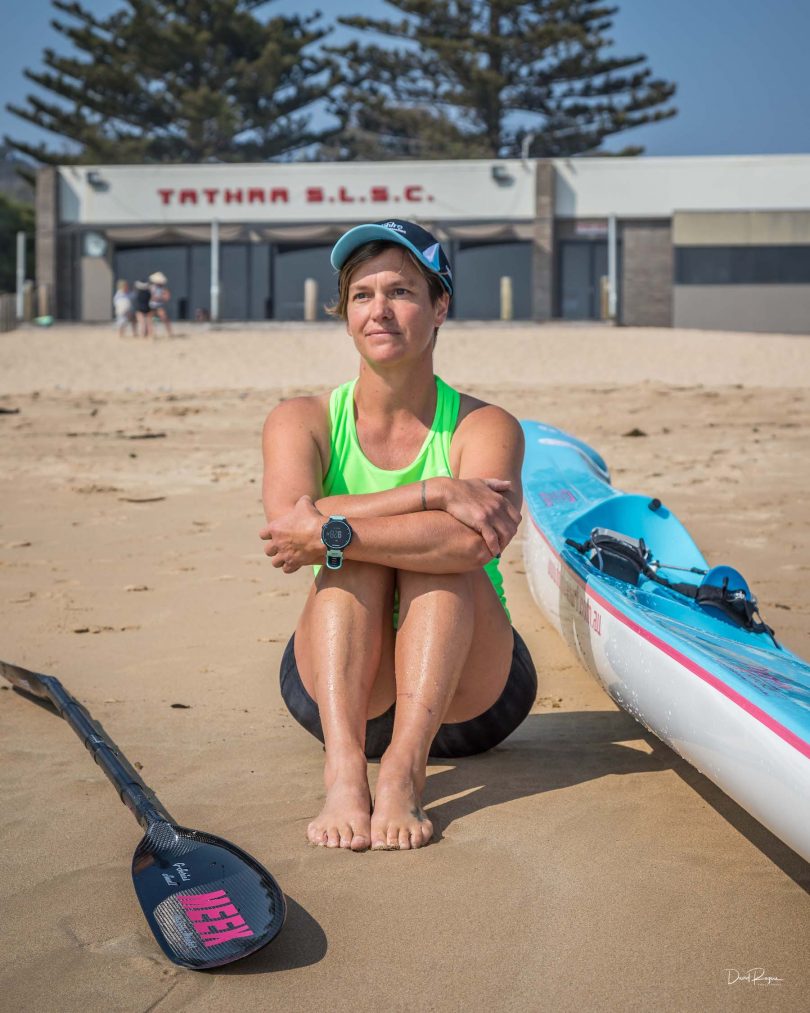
[{"x": 625, "y": 558}]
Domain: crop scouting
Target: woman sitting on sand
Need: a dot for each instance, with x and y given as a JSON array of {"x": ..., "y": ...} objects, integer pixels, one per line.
[{"x": 408, "y": 492}]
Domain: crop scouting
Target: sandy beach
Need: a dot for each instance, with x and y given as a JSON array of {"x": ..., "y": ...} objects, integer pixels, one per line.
[{"x": 579, "y": 866}]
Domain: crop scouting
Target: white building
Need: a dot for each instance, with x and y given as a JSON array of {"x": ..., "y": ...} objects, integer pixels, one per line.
[{"x": 690, "y": 242}]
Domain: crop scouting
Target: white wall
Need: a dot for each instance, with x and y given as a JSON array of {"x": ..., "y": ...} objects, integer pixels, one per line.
[
  {"x": 315, "y": 192},
  {"x": 656, "y": 187}
]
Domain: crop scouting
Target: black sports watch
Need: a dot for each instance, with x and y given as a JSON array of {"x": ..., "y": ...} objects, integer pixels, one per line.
[{"x": 335, "y": 535}]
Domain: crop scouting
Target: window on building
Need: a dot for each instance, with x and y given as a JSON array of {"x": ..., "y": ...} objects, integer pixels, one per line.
[{"x": 742, "y": 265}]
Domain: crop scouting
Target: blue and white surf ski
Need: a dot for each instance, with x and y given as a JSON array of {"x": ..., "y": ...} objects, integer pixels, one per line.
[{"x": 677, "y": 644}]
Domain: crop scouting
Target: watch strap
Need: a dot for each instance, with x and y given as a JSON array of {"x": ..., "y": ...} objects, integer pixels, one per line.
[{"x": 334, "y": 559}]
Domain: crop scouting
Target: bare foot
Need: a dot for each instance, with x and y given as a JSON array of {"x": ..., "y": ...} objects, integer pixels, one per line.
[
  {"x": 345, "y": 820},
  {"x": 399, "y": 822}
]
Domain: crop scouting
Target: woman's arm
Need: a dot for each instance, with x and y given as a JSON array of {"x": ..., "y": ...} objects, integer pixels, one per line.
[
  {"x": 489, "y": 441},
  {"x": 432, "y": 541},
  {"x": 478, "y": 503},
  {"x": 425, "y": 542},
  {"x": 292, "y": 443},
  {"x": 404, "y": 499}
]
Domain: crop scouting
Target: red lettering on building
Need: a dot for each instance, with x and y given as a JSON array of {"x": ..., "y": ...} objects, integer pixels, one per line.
[{"x": 414, "y": 194}]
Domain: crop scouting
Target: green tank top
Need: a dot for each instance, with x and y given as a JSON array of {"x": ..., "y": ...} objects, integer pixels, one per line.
[{"x": 350, "y": 471}]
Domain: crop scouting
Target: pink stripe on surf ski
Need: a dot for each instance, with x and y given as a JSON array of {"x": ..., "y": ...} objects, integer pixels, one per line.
[{"x": 750, "y": 708}]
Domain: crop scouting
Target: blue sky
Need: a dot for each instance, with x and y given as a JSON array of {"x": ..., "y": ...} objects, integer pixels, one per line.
[{"x": 740, "y": 67}]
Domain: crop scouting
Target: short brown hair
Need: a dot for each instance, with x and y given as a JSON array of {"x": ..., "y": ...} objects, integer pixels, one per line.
[{"x": 368, "y": 251}]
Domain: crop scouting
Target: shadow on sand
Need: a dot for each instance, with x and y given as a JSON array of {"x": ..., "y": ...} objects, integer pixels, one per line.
[
  {"x": 553, "y": 751},
  {"x": 301, "y": 942}
]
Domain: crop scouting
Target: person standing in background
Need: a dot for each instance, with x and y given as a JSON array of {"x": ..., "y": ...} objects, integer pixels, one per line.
[
  {"x": 143, "y": 314},
  {"x": 159, "y": 296},
  {"x": 122, "y": 308}
]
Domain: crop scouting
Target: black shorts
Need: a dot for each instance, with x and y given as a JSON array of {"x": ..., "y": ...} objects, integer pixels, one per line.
[{"x": 462, "y": 738}]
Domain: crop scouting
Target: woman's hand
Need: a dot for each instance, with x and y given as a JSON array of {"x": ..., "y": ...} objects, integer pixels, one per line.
[
  {"x": 480, "y": 504},
  {"x": 294, "y": 539}
]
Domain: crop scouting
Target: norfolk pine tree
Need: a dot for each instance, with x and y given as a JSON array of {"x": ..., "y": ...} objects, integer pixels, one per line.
[
  {"x": 481, "y": 75},
  {"x": 14, "y": 217},
  {"x": 178, "y": 80}
]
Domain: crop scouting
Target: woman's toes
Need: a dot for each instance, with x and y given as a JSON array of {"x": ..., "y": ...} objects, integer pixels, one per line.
[
  {"x": 359, "y": 842},
  {"x": 315, "y": 835},
  {"x": 423, "y": 835},
  {"x": 379, "y": 840},
  {"x": 346, "y": 836}
]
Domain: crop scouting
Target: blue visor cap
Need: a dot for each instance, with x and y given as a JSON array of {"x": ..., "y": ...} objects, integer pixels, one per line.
[{"x": 414, "y": 238}]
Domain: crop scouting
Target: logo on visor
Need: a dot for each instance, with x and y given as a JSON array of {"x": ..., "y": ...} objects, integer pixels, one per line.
[
  {"x": 432, "y": 254},
  {"x": 393, "y": 225}
]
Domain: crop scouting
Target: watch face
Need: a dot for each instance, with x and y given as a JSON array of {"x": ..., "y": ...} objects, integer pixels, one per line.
[{"x": 336, "y": 534}]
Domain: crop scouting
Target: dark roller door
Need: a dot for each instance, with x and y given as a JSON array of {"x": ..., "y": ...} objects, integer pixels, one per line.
[
  {"x": 260, "y": 293},
  {"x": 582, "y": 265},
  {"x": 477, "y": 273},
  {"x": 200, "y": 286},
  {"x": 136, "y": 263},
  {"x": 244, "y": 281},
  {"x": 292, "y": 265},
  {"x": 234, "y": 280}
]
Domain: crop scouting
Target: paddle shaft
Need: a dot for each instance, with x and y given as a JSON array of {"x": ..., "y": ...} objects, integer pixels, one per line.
[{"x": 136, "y": 796}]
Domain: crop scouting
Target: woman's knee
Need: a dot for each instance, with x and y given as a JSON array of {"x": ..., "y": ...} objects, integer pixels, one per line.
[
  {"x": 367, "y": 585},
  {"x": 410, "y": 583},
  {"x": 355, "y": 572}
]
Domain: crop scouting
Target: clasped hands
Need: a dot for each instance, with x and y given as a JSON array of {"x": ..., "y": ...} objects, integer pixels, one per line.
[{"x": 294, "y": 538}]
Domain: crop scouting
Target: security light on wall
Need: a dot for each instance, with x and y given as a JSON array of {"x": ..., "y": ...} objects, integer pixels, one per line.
[
  {"x": 96, "y": 180},
  {"x": 502, "y": 175}
]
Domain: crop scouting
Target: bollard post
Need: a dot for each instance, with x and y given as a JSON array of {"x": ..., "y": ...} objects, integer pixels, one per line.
[
  {"x": 604, "y": 297},
  {"x": 506, "y": 298},
  {"x": 43, "y": 303},
  {"x": 310, "y": 299},
  {"x": 28, "y": 300}
]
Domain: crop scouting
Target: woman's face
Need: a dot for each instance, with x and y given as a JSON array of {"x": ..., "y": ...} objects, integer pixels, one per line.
[{"x": 389, "y": 313}]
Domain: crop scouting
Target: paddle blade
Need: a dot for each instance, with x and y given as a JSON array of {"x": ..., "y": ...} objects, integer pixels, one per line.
[{"x": 207, "y": 901}]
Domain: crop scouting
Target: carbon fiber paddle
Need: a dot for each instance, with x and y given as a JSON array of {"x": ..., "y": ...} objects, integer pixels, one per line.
[{"x": 207, "y": 902}]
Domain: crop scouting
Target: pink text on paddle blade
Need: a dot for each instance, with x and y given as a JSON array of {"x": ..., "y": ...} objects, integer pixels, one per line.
[{"x": 215, "y": 918}]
